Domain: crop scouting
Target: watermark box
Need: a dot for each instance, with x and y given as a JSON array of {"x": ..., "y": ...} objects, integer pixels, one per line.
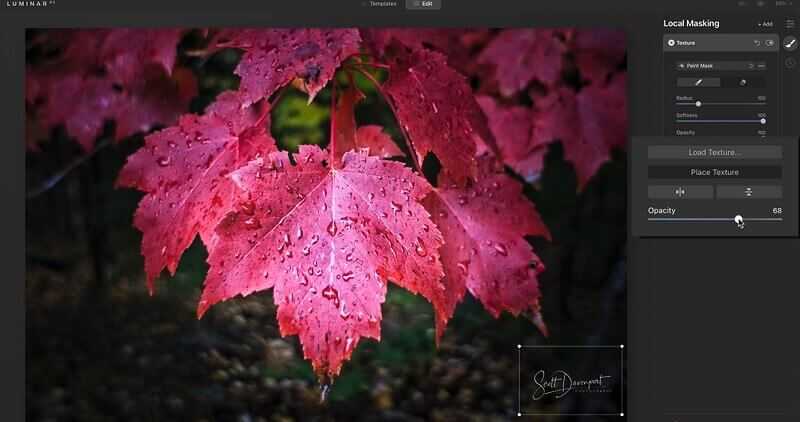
[{"x": 571, "y": 380}]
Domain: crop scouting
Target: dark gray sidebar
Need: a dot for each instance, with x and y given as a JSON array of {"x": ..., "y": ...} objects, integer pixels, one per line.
[{"x": 714, "y": 186}]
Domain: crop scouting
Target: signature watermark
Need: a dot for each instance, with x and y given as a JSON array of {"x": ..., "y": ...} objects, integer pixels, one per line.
[
  {"x": 561, "y": 383},
  {"x": 571, "y": 380}
]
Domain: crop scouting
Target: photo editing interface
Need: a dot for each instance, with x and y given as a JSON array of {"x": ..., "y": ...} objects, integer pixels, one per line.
[{"x": 402, "y": 210}]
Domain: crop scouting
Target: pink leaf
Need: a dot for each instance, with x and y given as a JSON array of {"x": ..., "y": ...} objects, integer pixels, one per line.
[
  {"x": 485, "y": 250},
  {"x": 513, "y": 129},
  {"x": 436, "y": 107},
  {"x": 598, "y": 52},
  {"x": 379, "y": 39},
  {"x": 326, "y": 239},
  {"x": 378, "y": 142},
  {"x": 346, "y": 135},
  {"x": 125, "y": 75},
  {"x": 81, "y": 103},
  {"x": 522, "y": 55},
  {"x": 588, "y": 124},
  {"x": 459, "y": 45},
  {"x": 153, "y": 98},
  {"x": 124, "y": 51},
  {"x": 275, "y": 57},
  {"x": 184, "y": 172}
]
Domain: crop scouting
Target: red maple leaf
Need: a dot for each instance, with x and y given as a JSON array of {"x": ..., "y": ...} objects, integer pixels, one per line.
[
  {"x": 459, "y": 45},
  {"x": 598, "y": 52},
  {"x": 124, "y": 75},
  {"x": 79, "y": 102},
  {"x": 485, "y": 251},
  {"x": 275, "y": 57},
  {"x": 435, "y": 106},
  {"x": 346, "y": 135},
  {"x": 441, "y": 39},
  {"x": 124, "y": 51},
  {"x": 588, "y": 123},
  {"x": 326, "y": 237},
  {"x": 184, "y": 172},
  {"x": 522, "y": 55},
  {"x": 512, "y": 126},
  {"x": 379, "y": 142},
  {"x": 154, "y": 97},
  {"x": 610, "y": 103}
]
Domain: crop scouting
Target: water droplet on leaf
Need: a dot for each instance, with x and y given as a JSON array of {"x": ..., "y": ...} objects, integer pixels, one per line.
[
  {"x": 252, "y": 223},
  {"x": 420, "y": 247}
]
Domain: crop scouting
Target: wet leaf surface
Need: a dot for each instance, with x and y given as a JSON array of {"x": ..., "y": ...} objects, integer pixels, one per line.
[
  {"x": 184, "y": 172},
  {"x": 326, "y": 239}
]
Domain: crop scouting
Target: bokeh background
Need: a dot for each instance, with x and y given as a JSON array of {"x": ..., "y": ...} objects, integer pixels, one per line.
[{"x": 99, "y": 347}]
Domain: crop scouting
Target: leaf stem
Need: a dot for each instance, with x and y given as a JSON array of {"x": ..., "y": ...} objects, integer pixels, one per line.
[
  {"x": 411, "y": 151},
  {"x": 332, "y": 144},
  {"x": 370, "y": 55},
  {"x": 267, "y": 105},
  {"x": 371, "y": 64}
]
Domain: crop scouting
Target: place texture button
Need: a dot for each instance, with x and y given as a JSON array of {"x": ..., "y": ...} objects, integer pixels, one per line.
[{"x": 715, "y": 172}]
